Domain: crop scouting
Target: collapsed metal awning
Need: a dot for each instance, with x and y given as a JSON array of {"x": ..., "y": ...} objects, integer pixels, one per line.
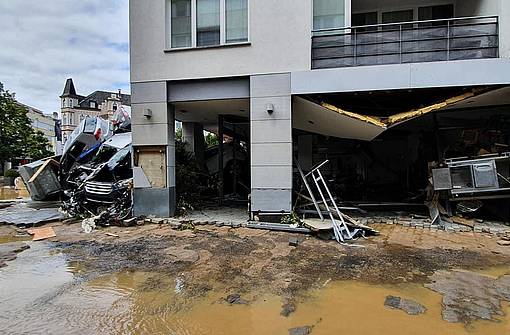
[{"x": 326, "y": 119}]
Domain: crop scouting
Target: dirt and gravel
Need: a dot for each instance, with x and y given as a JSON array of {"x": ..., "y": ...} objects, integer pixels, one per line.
[{"x": 245, "y": 260}]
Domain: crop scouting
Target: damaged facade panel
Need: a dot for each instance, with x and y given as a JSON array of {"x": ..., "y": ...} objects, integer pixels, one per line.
[{"x": 312, "y": 117}]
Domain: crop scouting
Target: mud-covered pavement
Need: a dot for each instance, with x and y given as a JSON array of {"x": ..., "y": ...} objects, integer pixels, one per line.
[{"x": 252, "y": 264}]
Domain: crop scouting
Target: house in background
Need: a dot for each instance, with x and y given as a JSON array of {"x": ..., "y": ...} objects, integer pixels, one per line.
[
  {"x": 46, "y": 124},
  {"x": 379, "y": 88},
  {"x": 75, "y": 107}
]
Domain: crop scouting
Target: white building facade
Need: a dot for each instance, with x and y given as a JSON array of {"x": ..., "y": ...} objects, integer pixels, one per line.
[{"x": 296, "y": 70}]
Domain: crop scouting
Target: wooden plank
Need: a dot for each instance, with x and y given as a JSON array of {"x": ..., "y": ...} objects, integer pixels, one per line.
[
  {"x": 41, "y": 233},
  {"x": 318, "y": 224},
  {"x": 41, "y": 169}
]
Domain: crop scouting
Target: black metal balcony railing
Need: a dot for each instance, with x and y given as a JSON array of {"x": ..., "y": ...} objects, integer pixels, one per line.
[{"x": 406, "y": 42}]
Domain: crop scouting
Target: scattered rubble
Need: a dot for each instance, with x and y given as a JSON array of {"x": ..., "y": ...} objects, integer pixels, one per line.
[
  {"x": 235, "y": 299},
  {"x": 288, "y": 308},
  {"x": 22, "y": 215},
  {"x": 469, "y": 296},
  {"x": 409, "y": 306},
  {"x": 300, "y": 330}
]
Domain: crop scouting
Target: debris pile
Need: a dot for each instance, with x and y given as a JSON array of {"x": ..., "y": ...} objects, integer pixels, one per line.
[
  {"x": 344, "y": 227},
  {"x": 93, "y": 176},
  {"x": 460, "y": 188}
]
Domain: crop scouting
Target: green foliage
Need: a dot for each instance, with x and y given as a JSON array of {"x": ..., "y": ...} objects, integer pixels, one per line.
[
  {"x": 178, "y": 134},
  {"x": 38, "y": 146},
  {"x": 290, "y": 219},
  {"x": 211, "y": 140},
  {"x": 189, "y": 179},
  {"x": 11, "y": 173},
  {"x": 17, "y": 137}
]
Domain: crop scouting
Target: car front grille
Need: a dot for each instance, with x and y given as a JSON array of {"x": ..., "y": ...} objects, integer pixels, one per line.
[{"x": 94, "y": 187}]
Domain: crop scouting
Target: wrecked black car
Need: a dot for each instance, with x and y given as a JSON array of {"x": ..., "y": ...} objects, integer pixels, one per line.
[
  {"x": 96, "y": 173},
  {"x": 102, "y": 187}
]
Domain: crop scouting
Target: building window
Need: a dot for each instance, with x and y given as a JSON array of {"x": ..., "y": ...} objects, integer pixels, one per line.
[
  {"x": 364, "y": 19},
  {"x": 208, "y": 22},
  {"x": 181, "y": 23},
  {"x": 434, "y": 13},
  {"x": 236, "y": 20},
  {"x": 328, "y": 14},
  {"x": 398, "y": 16},
  {"x": 201, "y": 23},
  {"x": 93, "y": 104}
]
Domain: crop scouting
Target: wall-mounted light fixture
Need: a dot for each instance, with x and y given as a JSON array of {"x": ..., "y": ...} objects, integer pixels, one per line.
[
  {"x": 147, "y": 113},
  {"x": 269, "y": 109}
]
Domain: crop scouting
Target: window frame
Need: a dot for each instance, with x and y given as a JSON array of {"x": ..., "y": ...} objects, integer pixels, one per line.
[
  {"x": 347, "y": 15},
  {"x": 223, "y": 28}
]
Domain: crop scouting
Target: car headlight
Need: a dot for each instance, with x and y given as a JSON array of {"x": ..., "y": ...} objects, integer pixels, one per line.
[{"x": 126, "y": 183}]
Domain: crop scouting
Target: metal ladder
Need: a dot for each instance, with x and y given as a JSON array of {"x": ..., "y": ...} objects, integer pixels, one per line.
[{"x": 340, "y": 228}]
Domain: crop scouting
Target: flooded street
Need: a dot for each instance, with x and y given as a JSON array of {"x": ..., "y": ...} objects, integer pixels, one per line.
[
  {"x": 130, "y": 287},
  {"x": 9, "y": 193}
]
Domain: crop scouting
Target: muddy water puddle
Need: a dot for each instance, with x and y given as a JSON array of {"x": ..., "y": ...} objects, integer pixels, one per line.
[{"x": 41, "y": 292}]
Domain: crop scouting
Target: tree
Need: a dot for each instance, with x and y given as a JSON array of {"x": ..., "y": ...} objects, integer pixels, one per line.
[
  {"x": 211, "y": 140},
  {"x": 17, "y": 137},
  {"x": 38, "y": 146}
]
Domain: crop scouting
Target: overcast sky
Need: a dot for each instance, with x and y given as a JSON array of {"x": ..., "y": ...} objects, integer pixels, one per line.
[{"x": 44, "y": 42}]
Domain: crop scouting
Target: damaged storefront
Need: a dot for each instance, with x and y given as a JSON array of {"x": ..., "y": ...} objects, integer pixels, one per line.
[{"x": 440, "y": 154}]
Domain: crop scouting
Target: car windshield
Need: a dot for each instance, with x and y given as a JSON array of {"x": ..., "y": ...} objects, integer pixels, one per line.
[
  {"x": 118, "y": 157},
  {"x": 104, "y": 154}
]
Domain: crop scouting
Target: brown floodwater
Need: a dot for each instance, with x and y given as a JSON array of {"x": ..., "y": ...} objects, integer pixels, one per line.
[
  {"x": 41, "y": 292},
  {"x": 9, "y": 193}
]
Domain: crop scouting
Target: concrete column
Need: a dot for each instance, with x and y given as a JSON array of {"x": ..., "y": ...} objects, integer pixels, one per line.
[
  {"x": 193, "y": 136},
  {"x": 271, "y": 143},
  {"x": 504, "y": 29},
  {"x": 153, "y": 125}
]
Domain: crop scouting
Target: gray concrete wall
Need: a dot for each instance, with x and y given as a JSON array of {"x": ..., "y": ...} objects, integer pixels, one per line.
[
  {"x": 193, "y": 137},
  {"x": 504, "y": 29},
  {"x": 271, "y": 143},
  {"x": 158, "y": 130}
]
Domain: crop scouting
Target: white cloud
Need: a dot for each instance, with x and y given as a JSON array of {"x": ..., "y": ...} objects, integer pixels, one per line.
[{"x": 44, "y": 42}]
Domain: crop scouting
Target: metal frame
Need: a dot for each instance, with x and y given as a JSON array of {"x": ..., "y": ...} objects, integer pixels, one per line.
[
  {"x": 340, "y": 228},
  {"x": 354, "y": 33},
  {"x": 470, "y": 163}
]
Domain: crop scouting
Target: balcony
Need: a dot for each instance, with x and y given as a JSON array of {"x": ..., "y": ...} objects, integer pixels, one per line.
[{"x": 406, "y": 42}]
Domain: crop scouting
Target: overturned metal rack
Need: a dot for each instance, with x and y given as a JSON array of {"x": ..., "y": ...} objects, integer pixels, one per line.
[{"x": 340, "y": 228}]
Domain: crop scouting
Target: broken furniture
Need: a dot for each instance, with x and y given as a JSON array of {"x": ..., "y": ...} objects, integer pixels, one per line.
[
  {"x": 41, "y": 178},
  {"x": 483, "y": 177}
]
